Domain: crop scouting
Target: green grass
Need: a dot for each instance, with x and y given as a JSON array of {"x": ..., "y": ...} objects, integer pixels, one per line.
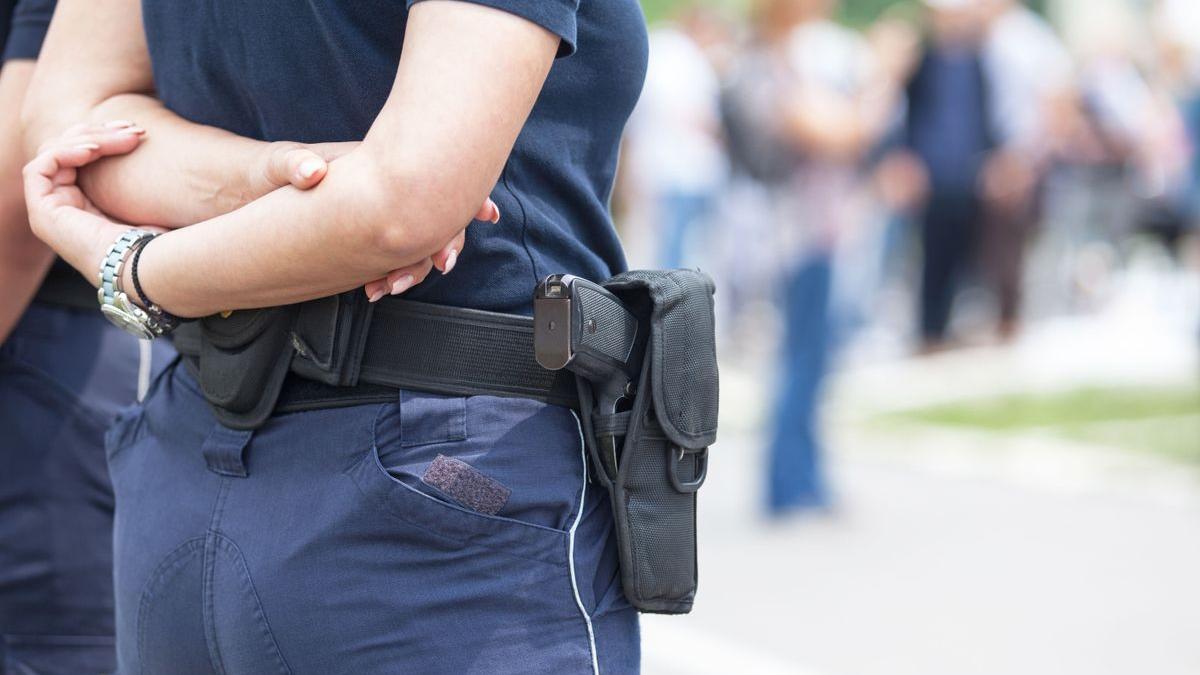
[{"x": 1161, "y": 421}]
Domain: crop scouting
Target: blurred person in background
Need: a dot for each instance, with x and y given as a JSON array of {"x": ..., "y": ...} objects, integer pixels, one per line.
[
  {"x": 871, "y": 254},
  {"x": 676, "y": 158},
  {"x": 1106, "y": 146},
  {"x": 804, "y": 105},
  {"x": 1173, "y": 139},
  {"x": 949, "y": 133},
  {"x": 65, "y": 372},
  {"x": 1028, "y": 72},
  {"x": 1178, "y": 21}
]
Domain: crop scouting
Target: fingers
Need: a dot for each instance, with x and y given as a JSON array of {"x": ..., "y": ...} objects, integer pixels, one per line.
[
  {"x": 488, "y": 212},
  {"x": 55, "y": 166},
  {"x": 49, "y": 178},
  {"x": 57, "y": 161},
  {"x": 115, "y": 138},
  {"x": 375, "y": 290},
  {"x": 446, "y": 258},
  {"x": 296, "y": 165},
  {"x": 398, "y": 281}
]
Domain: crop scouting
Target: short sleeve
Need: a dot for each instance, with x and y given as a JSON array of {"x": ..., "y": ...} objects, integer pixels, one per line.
[
  {"x": 556, "y": 16},
  {"x": 30, "y": 20}
]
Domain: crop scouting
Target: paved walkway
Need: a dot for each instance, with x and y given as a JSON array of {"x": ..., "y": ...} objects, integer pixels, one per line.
[
  {"x": 930, "y": 572},
  {"x": 954, "y": 552}
]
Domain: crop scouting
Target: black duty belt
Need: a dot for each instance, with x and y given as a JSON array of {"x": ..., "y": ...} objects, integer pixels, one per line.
[{"x": 431, "y": 348}]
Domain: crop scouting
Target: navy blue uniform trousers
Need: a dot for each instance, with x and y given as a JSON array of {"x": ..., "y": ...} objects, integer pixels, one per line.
[
  {"x": 64, "y": 375},
  {"x": 430, "y": 534}
]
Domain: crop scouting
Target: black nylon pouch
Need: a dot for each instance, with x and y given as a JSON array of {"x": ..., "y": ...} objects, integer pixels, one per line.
[
  {"x": 664, "y": 456},
  {"x": 243, "y": 360},
  {"x": 329, "y": 337}
]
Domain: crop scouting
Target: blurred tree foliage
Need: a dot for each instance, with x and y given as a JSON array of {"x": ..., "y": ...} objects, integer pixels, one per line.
[
  {"x": 863, "y": 12},
  {"x": 853, "y": 12}
]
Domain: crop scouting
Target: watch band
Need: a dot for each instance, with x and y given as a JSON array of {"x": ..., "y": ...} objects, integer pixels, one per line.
[
  {"x": 114, "y": 260},
  {"x": 115, "y": 303}
]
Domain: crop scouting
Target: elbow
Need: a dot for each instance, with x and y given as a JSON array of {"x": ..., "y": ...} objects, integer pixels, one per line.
[
  {"x": 50, "y": 107},
  {"x": 418, "y": 209}
]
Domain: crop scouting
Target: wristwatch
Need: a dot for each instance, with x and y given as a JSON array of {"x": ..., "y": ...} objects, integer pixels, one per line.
[{"x": 115, "y": 303}]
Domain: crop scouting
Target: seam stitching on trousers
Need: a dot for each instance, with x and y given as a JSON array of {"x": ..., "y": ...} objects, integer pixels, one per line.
[
  {"x": 251, "y": 591},
  {"x": 587, "y": 619},
  {"x": 176, "y": 557},
  {"x": 208, "y": 612}
]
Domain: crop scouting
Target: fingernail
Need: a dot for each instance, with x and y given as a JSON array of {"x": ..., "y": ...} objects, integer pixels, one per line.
[
  {"x": 451, "y": 258},
  {"x": 133, "y": 131},
  {"x": 402, "y": 284},
  {"x": 118, "y": 124},
  {"x": 377, "y": 295},
  {"x": 496, "y": 214},
  {"x": 310, "y": 167},
  {"x": 87, "y": 146}
]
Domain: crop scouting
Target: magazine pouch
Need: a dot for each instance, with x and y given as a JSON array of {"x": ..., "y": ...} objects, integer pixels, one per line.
[{"x": 243, "y": 358}]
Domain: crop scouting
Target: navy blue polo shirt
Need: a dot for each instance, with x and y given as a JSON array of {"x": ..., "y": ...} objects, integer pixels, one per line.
[
  {"x": 320, "y": 70},
  {"x": 23, "y": 25}
]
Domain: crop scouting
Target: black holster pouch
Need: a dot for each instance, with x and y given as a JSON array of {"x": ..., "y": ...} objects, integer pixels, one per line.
[
  {"x": 656, "y": 452},
  {"x": 242, "y": 359}
]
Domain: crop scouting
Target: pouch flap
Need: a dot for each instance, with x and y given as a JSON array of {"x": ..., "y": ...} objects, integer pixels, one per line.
[
  {"x": 330, "y": 334},
  {"x": 237, "y": 328},
  {"x": 682, "y": 350},
  {"x": 242, "y": 366}
]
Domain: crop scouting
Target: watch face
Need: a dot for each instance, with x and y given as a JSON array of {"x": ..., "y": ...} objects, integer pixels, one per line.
[{"x": 122, "y": 315}]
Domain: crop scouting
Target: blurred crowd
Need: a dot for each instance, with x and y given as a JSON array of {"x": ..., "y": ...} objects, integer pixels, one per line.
[{"x": 839, "y": 175}]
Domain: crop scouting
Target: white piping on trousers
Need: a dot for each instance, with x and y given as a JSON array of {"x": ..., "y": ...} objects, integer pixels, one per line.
[
  {"x": 571, "y": 550},
  {"x": 145, "y": 365}
]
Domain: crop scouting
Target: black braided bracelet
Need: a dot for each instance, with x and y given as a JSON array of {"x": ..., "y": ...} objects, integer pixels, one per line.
[
  {"x": 164, "y": 318},
  {"x": 133, "y": 270}
]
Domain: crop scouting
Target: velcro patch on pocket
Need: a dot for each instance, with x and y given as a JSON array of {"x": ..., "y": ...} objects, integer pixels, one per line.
[{"x": 466, "y": 484}]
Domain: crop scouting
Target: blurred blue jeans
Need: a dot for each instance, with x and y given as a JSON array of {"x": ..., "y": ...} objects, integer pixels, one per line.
[
  {"x": 326, "y": 541},
  {"x": 1191, "y": 113},
  {"x": 683, "y": 216},
  {"x": 64, "y": 375},
  {"x": 796, "y": 477}
]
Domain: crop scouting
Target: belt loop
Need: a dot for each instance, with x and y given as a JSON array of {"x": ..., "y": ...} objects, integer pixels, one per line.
[{"x": 224, "y": 451}]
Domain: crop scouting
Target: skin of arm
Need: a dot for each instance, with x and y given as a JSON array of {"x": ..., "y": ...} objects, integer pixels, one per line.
[
  {"x": 432, "y": 155},
  {"x": 94, "y": 66},
  {"x": 23, "y": 258}
]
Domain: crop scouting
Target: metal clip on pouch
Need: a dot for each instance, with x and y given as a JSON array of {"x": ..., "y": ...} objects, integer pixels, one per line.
[{"x": 643, "y": 349}]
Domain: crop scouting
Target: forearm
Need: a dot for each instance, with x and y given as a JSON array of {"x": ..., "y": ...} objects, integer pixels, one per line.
[
  {"x": 293, "y": 245},
  {"x": 417, "y": 179},
  {"x": 95, "y": 67},
  {"x": 23, "y": 258},
  {"x": 431, "y": 157},
  {"x": 182, "y": 173}
]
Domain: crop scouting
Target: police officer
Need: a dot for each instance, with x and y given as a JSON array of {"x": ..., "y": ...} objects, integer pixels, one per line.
[
  {"x": 64, "y": 374},
  {"x": 359, "y": 528}
]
